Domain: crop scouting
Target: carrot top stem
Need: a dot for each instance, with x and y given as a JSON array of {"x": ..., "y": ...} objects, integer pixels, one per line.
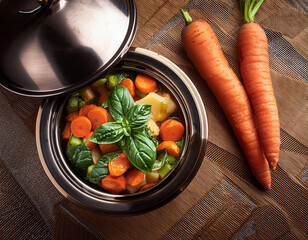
[
  {"x": 186, "y": 17},
  {"x": 249, "y": 9}
]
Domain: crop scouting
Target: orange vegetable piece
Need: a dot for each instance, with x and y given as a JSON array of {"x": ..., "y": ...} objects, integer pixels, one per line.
[
  {"x": 146, "y": 187},
  {"x": 102, "y": 98},
  {"x": 85, "y": 109},
  {"x": 108, "y": 148},
  {"x": 145, "y": 83},
  {"x": 114, "y": 184},
  {"x": 134, "y": 177},
  {"x": 66, "y": 132},
  {"x": 119, "y": 165},
  {"x": 81, "y": 126},
  {"x": 129, "y": 84},
  {"x": 171, "y": 146},
  {"x": 204, "y": 50},
  {"x": 70, "y": 117},
  {"x": 171, "y": 130},
  {"x": 90, "y": 145},
  {"x": 254, "y": 64},
  {"x": 97, "y": 116}
]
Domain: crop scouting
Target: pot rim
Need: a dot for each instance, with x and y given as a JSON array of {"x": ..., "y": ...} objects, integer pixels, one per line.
[{"x": 125, "y": 203}]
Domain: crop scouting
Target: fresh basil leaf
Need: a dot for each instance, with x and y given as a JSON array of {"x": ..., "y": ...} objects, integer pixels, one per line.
[
  {"x": 109, "y": 132},
  {"x": 123, "y": 75},
  {"x": 80, "y": 157},
  {"x": 119, "y": 102},
  {"x": 138, "y": 115},
  {"x": 100, "y": 170},
  {"x": 149, "y": 134},
  {"x": 121, "y": 143},
  {"x": 140, "y": 151},
  {"x": 162, "y": 157},
  {"x": 180, "y": 145}
]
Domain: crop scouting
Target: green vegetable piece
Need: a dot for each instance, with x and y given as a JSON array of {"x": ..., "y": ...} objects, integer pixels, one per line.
[
  {"x": 165, "y": 170},
  {"x": 249, "y": 8},
  {"x": 180, "y": 145},
  {"x": 141, "y": 152},
  {"x": 109, "y": 132},
  {"x": 74, "y": 141},
  {"x": 90, "y": 168},
  {"x": 72, "y": 104},
  {"x": 171, "y": 159},
  {"x": 99, "y": 83},
  {"x": 75, "y": 94},
  {"x": 162, "y": 157},
  {"x": 140, "y": 94},
  {"x": 112, "y": 81},
  {"x": 186, "y": 16},
  {"x": 81, "y": 103},
  {"x": 80, "y": 157},
  {"x": 100, "y": 170},
  {"x": 119, "y": 102},
  {"x": 104, "y": 104}
]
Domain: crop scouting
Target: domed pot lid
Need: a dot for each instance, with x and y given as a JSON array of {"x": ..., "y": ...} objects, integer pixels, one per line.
[{"x": 51, "y": 47}]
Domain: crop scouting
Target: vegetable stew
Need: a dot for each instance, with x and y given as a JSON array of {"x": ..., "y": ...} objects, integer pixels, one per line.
[{"x": 124, "y": 133}]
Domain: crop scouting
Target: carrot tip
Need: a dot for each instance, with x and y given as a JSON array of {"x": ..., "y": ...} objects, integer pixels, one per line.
[
  {"x": 267, "y": 186},
  {"x": 273, "y": 165}
]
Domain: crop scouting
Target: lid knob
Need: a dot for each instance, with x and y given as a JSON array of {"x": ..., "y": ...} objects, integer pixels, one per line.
[{"x": 45, "y": 4}]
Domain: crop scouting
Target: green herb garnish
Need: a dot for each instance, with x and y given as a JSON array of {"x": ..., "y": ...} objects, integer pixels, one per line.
[{"x": 128, "y": 129}]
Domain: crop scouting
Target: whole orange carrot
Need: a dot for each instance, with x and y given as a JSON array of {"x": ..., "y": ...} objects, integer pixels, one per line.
[
  {"x": 203, "y": 48},
  {"x": 254, "y": 64}
]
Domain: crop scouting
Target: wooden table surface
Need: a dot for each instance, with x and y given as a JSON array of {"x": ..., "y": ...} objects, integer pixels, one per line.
[{"x": 223, "y": 201}]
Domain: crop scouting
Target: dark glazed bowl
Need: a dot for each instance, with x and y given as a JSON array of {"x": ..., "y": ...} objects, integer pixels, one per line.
[{"x": 48, "y": 137}]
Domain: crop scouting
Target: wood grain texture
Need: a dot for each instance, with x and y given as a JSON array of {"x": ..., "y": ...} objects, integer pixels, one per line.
[{"x": 223, "y": 201}]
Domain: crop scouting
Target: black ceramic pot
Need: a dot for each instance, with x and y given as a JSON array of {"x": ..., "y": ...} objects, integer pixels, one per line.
[{"x": 48, "y": 136}]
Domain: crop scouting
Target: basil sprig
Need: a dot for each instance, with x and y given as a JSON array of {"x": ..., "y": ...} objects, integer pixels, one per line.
[
  {"x": 128, "y": 129},
  {"x": 80, "y": 157}
]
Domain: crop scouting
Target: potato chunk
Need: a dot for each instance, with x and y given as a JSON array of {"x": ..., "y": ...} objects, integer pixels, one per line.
[
  {"x": 152, "y": 177},
  {"x": 153, "y": 127},
  {"x": 133, "y": 189},
  {"x": 162, "y": 105},
  {"x": 96, "y": 155}
]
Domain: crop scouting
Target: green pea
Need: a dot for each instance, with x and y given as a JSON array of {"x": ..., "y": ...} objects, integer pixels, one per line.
[
  {"x": 112, "y": 81},
  {"x": 72, "y": 104}
]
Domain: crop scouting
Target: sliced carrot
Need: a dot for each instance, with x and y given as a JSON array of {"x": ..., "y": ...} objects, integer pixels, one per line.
[
  {"x": 171, "y": 130},
  {"x": 108, "y": 148},
  {"x": 145, "y": 83},
  {"x": 114, "y": 184},
  {"x": 66, "y": 132},
  {"x": 85, "y": 109},
  {"x": 97, "y": 116},
  {"x": 171, "y": 146},
  {"x": 134, "y": 177},
  {"x": 90, "y": 145},
  {"x": 146, "y": 187},
  {"x": 81, "y": 126},
  {"x": 129, "y": 84},
  {"x": 70, "y": 117},
  {"x": 119, "y": 165}
]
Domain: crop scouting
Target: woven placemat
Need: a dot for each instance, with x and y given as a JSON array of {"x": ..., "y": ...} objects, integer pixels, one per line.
[{"x": 223, "y": 201}]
